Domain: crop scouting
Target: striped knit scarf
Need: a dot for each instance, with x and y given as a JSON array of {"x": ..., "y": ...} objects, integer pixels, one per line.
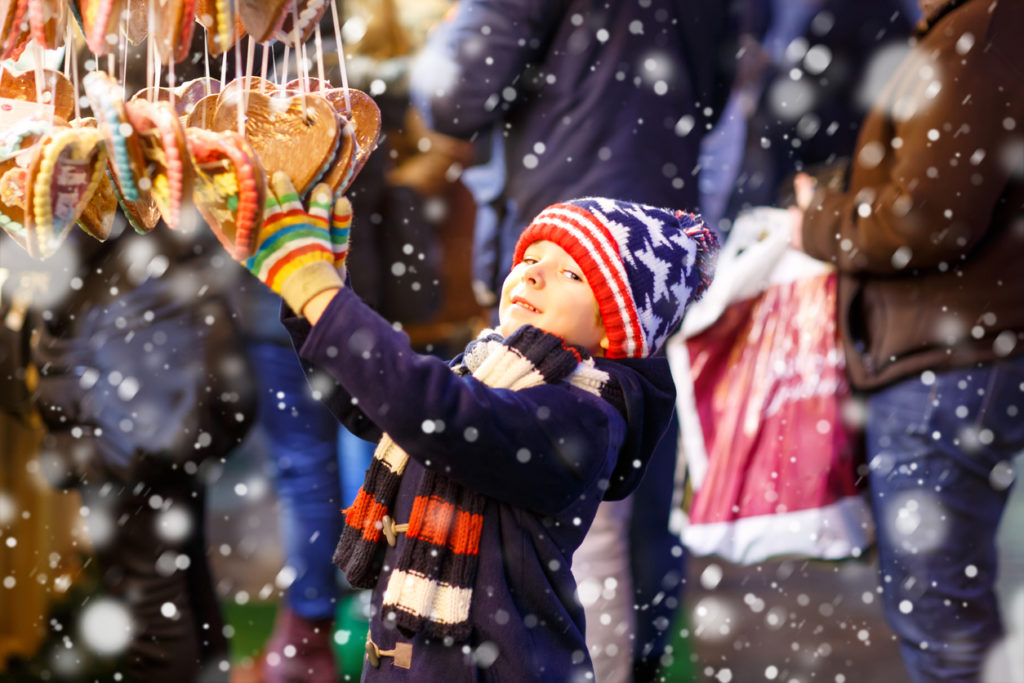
[{"x": 430, "y": 587}]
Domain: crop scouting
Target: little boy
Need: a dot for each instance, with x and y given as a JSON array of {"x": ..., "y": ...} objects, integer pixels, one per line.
[{"x": 489, "y": 470}]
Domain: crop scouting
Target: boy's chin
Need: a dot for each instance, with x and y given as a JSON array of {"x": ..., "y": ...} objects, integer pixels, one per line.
[{"x": 506, "y": 328}]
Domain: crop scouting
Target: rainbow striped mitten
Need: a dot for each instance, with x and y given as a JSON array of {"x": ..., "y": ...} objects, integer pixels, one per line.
[{"x": 296, "y": 252}]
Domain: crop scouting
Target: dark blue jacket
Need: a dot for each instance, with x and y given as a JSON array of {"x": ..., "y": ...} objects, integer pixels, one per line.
[
  {"x": 543, "y": 457},
  {"x": 593, "y": 98}
]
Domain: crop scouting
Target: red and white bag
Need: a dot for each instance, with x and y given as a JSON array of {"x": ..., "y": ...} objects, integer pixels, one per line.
[{"x": 762, "y": 393}]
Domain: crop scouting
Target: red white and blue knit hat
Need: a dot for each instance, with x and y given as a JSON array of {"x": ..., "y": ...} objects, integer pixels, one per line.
[{"x": 644, "y": 264}]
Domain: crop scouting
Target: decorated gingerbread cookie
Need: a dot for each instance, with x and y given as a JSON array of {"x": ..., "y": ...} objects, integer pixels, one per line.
[
  {"x": 230, "y": 187},
  {"x": 168, "y": 167},
  {"x": 66, "y": 171},
  {"x": 276, "y": 127},
  {"x": 126, "y": 159}
]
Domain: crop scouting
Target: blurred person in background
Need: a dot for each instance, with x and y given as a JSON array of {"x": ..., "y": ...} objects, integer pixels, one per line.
[
  {"x": 141, "y": 385},
  {"x": 800, "y": 95},
  {"x": 927, "y": 239}
]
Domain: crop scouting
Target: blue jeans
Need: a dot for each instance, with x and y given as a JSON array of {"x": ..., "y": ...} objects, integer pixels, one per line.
[
  {"x": 940, "y": 448},
  {"x": 303, "y": 445}
]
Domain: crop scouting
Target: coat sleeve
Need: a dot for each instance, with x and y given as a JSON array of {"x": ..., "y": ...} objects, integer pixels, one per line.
[
  {"x": 944, "y": 141},
  {"x": 466, "y": 74},
  {"x": 541, "y": 448},
  {"x": 327, "y": 389}
]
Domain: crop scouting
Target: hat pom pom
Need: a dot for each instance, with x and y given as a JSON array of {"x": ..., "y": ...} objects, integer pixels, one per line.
[{"x": 707, "y": 249}]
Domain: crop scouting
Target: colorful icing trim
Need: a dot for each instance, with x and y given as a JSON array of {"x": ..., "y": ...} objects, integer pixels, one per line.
[
  {"x": 238, "y": 188},
  {"x": 168, "y": 182},
  {"x": 12, "y": 48},
  {"x": 109, "y": 118},
  {"x": 13, "y": 137},
  {"x": 44, "y": 236},
  {"x": 225, "y": 23},
  {"x": 96, "y": 19}
]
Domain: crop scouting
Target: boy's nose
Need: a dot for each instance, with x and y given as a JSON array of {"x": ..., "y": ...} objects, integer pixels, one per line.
[{"x": 534, "y": 275}]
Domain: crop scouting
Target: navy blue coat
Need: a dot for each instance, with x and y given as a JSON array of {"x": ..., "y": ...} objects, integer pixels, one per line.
[
  {"x": 593, "y": 98},
  {"x": 543, "y": 457}
]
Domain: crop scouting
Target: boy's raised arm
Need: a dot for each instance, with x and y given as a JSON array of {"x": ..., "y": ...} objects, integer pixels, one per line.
[{"x": 539, "y": 448}]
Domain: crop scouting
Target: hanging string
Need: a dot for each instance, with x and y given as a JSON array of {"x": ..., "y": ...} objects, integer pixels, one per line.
[
  {"x": 71, "y": 64},
  {"x": 284, "y": 62},
  {"x": 249, "y": 56},
  {"x": 206, "y": 59},
  {"x": 305, "y": 65},
  {"x": 300, "y": 72},
  {"x": 319, "y": 57},
  {"x": 302, "y": 66},
  {"x": 172, "y": 82},
  {"x": 341, "y": 58},
  {"x": 298, "y": 75},
  {"x": 67, "y": 52},
  {"x": 150, "y": 53},
  {"x": 123, "y": 47},
  {"x": 37, "y": 66},
  {"x": 263, "y": 69},
  {"x": 238, "y": 70}
]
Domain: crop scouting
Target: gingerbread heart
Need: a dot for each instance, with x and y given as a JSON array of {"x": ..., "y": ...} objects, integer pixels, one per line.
[
  {"x": 97, "y": 219},
  {"x": 297, "y": 135},
  {"x": 126, "y": 159},
  {"x": 172, "y": 30},
  {"x": 223, "y": 26},
  {"x": 162, "y": 139},
  {"x": 48, "y": 22},
  {"x": 8, "y": 9},
  {"x": 18, "y": 146},
  {"x": 57, "y": 90},
  {"x": 20, "y": 137},
  {"x": 186, "y": 95},
  {"x": 242, "y": 86},
  {"x": 142, "y": 214},
  {"x": 99, "y": 20},
  {"x": 67, "y": 170},
  {"x": 16, "y": 31},
  {"x": 202, "y": 113},
  {"x": 309, "y": 13},
  {"x": 230, "y": 187},
  {"x": 364, "y": 118},
  {"x": 136, "y": 28},
  {"x": 342, "y": 170},
  {"x": 263, "y": 18},
  {"x": 12, "y": 203}
]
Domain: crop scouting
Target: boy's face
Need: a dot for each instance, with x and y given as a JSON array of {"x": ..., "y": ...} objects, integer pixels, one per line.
[{"x": 547, "y": 290}]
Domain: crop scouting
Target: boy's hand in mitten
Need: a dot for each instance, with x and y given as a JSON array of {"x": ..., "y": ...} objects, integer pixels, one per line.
[{"x": 295, "y": 254}]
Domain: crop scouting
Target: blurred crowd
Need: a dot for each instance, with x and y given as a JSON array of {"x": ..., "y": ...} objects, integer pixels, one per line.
[{"x": 135, "y": 372}]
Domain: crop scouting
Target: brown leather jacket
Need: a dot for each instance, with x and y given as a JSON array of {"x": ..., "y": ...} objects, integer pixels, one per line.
[{"x": 929, "y": 237}]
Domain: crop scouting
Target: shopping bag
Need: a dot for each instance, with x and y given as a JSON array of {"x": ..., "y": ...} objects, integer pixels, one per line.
[{"x": 771, "y": 459}]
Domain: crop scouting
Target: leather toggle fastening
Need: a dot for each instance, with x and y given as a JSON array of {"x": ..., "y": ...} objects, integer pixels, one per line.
[
  {"x": 391, "y": 530},
  {"x": 402, "y": 653}
]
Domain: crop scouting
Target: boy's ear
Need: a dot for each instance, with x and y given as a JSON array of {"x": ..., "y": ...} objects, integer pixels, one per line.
[{"x": 604, "y": 344}]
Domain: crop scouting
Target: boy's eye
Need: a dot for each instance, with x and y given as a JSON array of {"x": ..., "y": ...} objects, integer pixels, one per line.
[
  {"x": 529, "y": 260},
  {"x": 572, "y": 276}
]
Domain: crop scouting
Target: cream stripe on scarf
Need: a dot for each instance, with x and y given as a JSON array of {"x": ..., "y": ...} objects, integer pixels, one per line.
[{"x": 439, "y": 602}]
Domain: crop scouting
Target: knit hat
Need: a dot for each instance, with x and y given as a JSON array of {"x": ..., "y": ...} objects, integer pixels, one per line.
[{"x": 644, "y": 264}]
